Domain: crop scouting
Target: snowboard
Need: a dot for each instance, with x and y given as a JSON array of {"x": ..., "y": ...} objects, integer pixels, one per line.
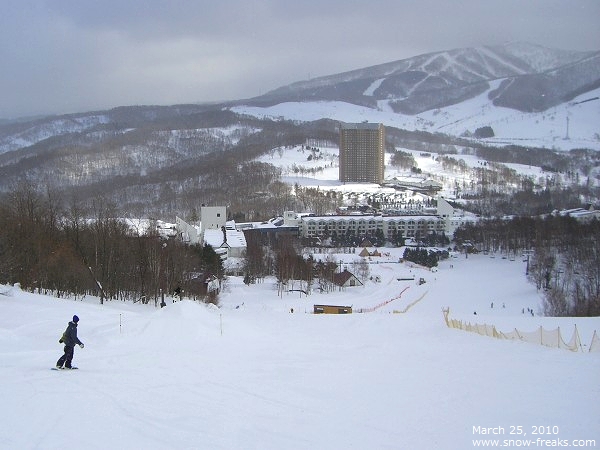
[{"x": 56, "y": 368}]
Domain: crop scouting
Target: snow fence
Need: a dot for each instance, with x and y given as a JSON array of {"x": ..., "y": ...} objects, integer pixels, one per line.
[
  {"x": 541, "y": 336},
  {"x": 376, "y": 307}
]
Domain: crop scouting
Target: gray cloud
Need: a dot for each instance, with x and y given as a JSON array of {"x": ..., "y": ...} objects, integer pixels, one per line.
[{"x": 61, "y": 56}]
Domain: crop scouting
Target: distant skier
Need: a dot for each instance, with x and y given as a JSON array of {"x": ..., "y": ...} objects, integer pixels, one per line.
[{"x": 70, "y": 339}]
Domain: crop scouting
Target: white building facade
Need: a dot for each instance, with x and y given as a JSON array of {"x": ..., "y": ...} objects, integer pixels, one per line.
[
  {"x": 213, "y": 217},
  {"x": 408, "y": 226}
]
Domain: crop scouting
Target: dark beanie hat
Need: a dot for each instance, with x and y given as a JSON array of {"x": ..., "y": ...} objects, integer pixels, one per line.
[{"x": 75, "y": 319}]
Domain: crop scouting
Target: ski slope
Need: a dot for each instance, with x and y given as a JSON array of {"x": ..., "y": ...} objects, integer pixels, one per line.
[
  {"x": 573, "y": 124},
  {"x": 253, "y": 375}
]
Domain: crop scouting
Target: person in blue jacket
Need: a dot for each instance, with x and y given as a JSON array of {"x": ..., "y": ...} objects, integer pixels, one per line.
[{"x": 70, "y": 339}]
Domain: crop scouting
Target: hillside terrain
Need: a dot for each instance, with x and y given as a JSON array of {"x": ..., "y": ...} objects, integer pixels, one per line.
[
  {"x": 251, "y": 374},
  {"x": 538, "y": 106},
  {"x": 534, "y": 79},
  {"x": 498, "y": 131}
]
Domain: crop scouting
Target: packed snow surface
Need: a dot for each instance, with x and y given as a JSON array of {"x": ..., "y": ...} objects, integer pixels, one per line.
[{"x": 253, "y": 375}]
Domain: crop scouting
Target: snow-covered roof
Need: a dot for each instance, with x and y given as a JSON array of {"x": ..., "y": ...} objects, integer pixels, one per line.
[
  {"x": 234, "y": 238},
  {"x": 580, "y": 213},
  {"x": 355, "y": 218}
]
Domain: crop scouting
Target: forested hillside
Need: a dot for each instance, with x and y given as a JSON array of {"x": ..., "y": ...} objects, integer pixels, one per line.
[{"x": 162, "y": 162}]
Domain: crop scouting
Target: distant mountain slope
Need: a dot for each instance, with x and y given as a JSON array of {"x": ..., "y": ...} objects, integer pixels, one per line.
[
  {"x": 161, "y": 159},
  {"x": 20, "y": 134},
  {"x": 539, "y": 92},
  {"x": 411, "y": 86}
]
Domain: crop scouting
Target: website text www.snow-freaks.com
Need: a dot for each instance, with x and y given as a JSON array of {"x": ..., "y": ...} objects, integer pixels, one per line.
[
  {"x": 545, "y": 436},
  {"x": 539, "y": 442}
]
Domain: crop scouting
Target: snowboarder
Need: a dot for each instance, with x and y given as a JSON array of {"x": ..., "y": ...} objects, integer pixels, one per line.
[{"x": 70, "y": 339}]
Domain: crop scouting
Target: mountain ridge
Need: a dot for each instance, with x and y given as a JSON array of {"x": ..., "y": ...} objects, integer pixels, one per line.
[
  {"x": 531, "y": 78},
  {"x": 158, "y": 158},
  {"x": 394, "y": 66},
  {"x": 438, "y": 79}
]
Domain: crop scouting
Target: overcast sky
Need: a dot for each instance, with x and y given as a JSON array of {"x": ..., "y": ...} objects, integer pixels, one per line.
[{"x": 63, "y": 56}]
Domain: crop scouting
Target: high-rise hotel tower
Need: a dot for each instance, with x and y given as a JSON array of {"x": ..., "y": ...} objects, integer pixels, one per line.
[{"x": 362, "y": 149}]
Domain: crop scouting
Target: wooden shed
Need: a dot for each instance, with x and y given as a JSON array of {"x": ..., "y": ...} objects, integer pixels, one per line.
[{"x": 332, "y": 309}]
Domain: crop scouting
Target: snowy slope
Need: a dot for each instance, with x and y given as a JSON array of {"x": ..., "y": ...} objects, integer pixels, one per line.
[
  {"x": 441, "y": 72},
  {"x": 546, "y": 129},
  {"x": 321, "y": 169},
  {"x": 37, "y": 131},
  {"x": 533, "y": 78},
  {"x": 251, "y": 375}
]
